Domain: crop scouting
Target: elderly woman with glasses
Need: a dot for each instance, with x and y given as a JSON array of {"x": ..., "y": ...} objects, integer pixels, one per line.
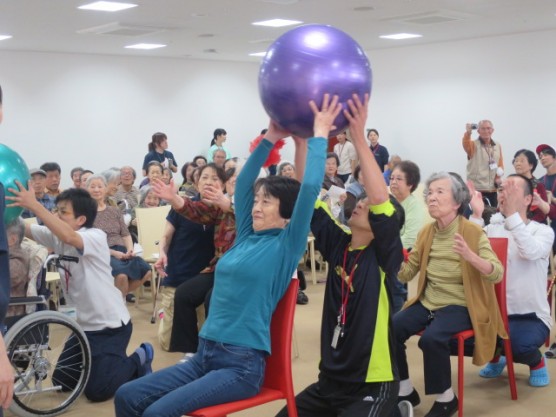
[{"x": 457, "y": 270}]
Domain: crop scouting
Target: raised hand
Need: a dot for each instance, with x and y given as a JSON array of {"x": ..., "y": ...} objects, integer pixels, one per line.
[{"x": 325, "y": 116}]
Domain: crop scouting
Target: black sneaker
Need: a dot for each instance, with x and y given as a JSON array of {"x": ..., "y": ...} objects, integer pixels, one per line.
[
  {"x": 302, "y": 298},
  {"x": 444, "y": 409},
  {"x": 130, "y": 298},
  {"x": 413, "y": 398}
]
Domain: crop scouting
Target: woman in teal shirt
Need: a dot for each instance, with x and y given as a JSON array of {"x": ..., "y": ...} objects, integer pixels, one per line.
[{"x": 272, "y": 220}]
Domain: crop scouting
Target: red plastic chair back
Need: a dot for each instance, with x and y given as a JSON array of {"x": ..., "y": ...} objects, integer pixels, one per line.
[{"x": 278, "y": 382}]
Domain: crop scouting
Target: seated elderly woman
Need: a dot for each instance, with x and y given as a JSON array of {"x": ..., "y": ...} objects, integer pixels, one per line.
[
  {"x": 404, "y": 180},
  {"x": 112, "y": 177},
  {"x": 19, "y": 264},
  {"x": 457, "y": 269},
  {"x": 129, "y": 271}
]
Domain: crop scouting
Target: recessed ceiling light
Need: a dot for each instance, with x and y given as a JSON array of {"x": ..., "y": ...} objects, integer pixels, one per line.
[
  {"x": 258, "y": 54},
  {"x": 146, "y": 46},
  {"x": 4, "y": 37},
  {"x": 277, "y": 23},
  {"x": 107, "y": 6},
  {"x": 398, "y": 36}
]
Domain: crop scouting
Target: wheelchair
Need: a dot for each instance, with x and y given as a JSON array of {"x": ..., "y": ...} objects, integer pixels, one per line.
[{"x": 50, "y": 356}]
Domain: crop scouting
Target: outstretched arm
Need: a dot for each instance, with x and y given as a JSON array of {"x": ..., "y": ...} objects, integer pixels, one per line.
[
  {"x": 25, "y": 198},
  {"x": 375, "y": 187}
]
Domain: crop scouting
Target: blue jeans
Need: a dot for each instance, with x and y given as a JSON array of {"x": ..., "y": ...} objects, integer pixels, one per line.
[
  {"x": 527, "y": 334},
  {"x": 218, "y": 373}
]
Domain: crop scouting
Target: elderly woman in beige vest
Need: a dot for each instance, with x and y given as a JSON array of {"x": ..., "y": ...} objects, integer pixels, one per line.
[{"x": 457, "y": 270}]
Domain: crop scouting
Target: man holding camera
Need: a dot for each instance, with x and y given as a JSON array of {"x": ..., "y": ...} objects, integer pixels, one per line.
[{"x": 485, "y": 165}]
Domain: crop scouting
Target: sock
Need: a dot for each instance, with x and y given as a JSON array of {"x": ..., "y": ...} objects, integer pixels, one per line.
[
  {"x": 495, "y": 359},
  {"x": 406, "y": 387},
  {"x": 142, "y": 355},
  {"x": 446, "y": 396},
  {"x": 539, "y": 365}
]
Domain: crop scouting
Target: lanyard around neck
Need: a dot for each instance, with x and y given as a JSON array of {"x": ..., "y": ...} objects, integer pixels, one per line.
[{"x": 347, "y": 282}]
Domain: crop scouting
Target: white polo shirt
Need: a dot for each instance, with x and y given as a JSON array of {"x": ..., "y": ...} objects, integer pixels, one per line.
[
  {"x": 90, "y": 285},
  {"x": 346, "y": 153}
]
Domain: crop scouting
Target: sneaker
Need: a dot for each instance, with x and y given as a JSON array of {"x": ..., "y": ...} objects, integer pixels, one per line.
[
  {"x": 443, "y": 409},
  {"x": 539, "y": 377},
  {"x": 302, "y": 298},
  {"x": 551, "y": 352},
  {"x": 186, "y": 357},
  {"x": 406, "y": 409},
  {"x": 149, "y": 356},
  {"x": 412, "y": 398},
  {"x": 130, "y": 298},
  {"x": 493, "y": 370}
]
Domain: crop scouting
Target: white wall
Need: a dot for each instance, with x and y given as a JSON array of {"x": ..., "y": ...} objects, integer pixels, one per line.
[{"x": 100, "y": 111}]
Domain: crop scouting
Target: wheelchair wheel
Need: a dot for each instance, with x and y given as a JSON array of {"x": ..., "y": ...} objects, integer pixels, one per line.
[{"x": 51, "y": 359}]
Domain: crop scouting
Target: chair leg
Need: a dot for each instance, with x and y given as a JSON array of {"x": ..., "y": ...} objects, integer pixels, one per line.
[
  {"x": 510, "y": 367},
  {"x": 461, "y": 358}
]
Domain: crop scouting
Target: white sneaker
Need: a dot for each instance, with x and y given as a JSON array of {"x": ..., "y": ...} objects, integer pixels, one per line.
[
  {"x": 186, "y": 357},
  {"x": 406, "y": 409}
]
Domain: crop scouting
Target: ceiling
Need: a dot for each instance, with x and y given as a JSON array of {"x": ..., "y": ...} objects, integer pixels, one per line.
[{"x": 221, "y": 29}]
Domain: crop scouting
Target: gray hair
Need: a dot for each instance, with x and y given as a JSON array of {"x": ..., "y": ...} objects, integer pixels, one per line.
[
  {"x": 111, "y": 175},
  {"x": 460, "y": 192},
  {"x": 95, "y": 177},
  {"x": 17, "y": 228},
  {"x": 143, "y": 193}
]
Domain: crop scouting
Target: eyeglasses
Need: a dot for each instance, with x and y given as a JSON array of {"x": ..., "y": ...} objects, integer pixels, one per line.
[{"x": 397, "y": 179}]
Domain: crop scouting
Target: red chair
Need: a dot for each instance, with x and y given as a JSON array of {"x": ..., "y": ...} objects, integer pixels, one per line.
[
  {"x": 500, "y": 248},
  {"x": 549, "y": 291},
  {"x": 278, "y": 383}
]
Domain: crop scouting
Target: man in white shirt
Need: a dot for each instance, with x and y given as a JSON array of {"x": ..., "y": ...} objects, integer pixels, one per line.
[
  {"x": 529, "y": 245},
  {"x": 347, "y": 155},
  {"x": 88, "y": 287}
]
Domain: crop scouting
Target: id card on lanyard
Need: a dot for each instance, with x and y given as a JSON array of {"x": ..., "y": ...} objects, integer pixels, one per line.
[{"x": 339, "y": 329}]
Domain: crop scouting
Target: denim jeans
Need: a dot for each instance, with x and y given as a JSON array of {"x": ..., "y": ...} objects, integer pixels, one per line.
[{"x": 218, "y": 373}]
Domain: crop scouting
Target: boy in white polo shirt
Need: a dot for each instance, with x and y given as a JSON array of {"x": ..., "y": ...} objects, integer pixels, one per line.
[{"x": 89, "y": 287}]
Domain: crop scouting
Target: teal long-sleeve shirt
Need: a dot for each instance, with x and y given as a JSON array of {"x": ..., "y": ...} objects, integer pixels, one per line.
[{"x": 254, "y": 274}]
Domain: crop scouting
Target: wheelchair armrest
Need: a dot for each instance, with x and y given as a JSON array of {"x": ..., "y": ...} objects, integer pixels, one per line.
[{"x": 19, "y": 301}]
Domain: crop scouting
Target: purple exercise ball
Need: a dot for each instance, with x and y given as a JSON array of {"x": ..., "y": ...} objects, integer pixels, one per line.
[{"x": 305, "y": 63}]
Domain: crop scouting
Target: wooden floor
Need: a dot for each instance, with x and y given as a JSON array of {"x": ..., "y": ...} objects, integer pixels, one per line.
[{"x": 482, "y": 397}]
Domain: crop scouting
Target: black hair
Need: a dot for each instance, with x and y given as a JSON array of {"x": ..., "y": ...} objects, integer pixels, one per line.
[
  {"x": 330, "y": 155},
  {"x": 263, "y": 132},
  {"x": 74, "y": 170},
  {"x": 412, "y": 173},
  {"x": 199, "y": 156},
  {"x": 531, "y": 158},
  {"x": 219, "y": 171},
  {"x": 399, "y": 210},
  {"x": 372, "y": 130},
  {"x": 284, "y": 189},
  {"x": 51, "y": 166},
  {"x": 229, "y": 173},
  {"x": 184, "y": 171},
  {"x": 217, "y": 132},
  {"x": 87, "y": 171},
  {"x": 529, "y": 190},
  {"x": 154, "y": 164},
  {"x": 157, "y": 139},
  {"x": 0, "y": 95},
  {"x": 82, "y": 203}
]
